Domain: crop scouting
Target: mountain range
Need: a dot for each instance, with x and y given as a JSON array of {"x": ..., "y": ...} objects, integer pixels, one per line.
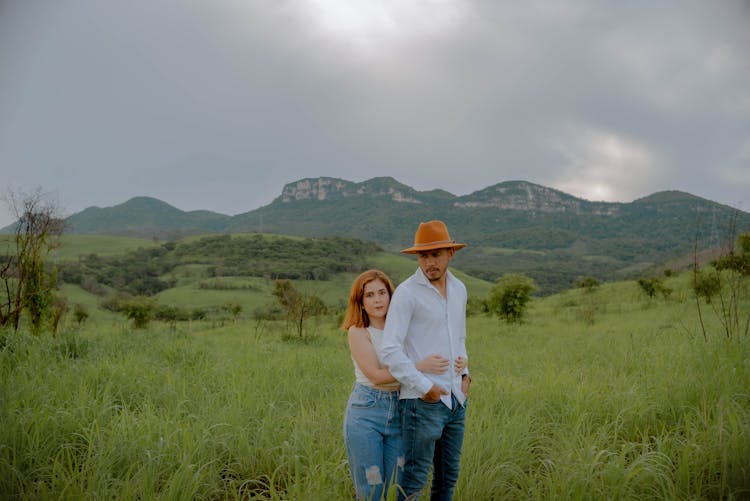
[{"x": 512, "y": 226}]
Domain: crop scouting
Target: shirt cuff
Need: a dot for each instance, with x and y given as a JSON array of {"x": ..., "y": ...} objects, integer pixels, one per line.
[{"x": 424, "y": 385}]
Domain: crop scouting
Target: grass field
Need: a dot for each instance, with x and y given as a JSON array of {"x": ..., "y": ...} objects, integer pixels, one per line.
[
  {"x": 603, "y": 395},
  {"x": 78, "y": 245},
  {"x": 195, "y": 288}
]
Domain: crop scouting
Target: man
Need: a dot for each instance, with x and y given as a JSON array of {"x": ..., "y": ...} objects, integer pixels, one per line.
[{"x": 428, "y": 315}]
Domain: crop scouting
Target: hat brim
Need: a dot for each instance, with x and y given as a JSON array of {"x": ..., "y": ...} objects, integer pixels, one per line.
[{"x": 428, "y": 247}]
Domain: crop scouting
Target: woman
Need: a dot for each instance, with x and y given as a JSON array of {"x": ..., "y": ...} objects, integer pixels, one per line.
[{"x": 372, "y": 424}]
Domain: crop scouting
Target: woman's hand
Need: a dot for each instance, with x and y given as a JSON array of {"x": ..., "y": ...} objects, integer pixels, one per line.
[
  {"x": 434, "y": 364},
  {"x": 461, "y": 364}
]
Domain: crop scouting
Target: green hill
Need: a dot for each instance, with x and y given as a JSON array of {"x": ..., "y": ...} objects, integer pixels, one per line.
[
  {"x": 209, "y": 272},
  {"x": 145, "y": 216},
  {"x": 510, "y": 227},
  {"x": 513, "y": 226}
]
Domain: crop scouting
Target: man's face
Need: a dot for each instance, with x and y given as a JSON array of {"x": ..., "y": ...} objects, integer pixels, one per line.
[{"x": 434, "y": 263}]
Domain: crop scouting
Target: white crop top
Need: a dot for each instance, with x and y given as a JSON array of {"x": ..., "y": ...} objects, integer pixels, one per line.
[{"x": 376, "y": 336}]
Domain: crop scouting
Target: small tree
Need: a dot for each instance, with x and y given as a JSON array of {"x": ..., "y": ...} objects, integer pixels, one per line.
[
  {"x": 298, "y": 307},
  {"x": 509, "y": 298},
  {"x": 648, "y": 286},
  {"x": 80, "y": 313},
  {"x": 738, "y": 259},
  {"x": 26, "y": 279},
  {"x": 706, "y": 284},
  {"x": 58, "y": 311},
  {"x": 234, "y": 309},
  {"x": 589, "y": 284},
  {"x": 724, "y": 287},
  {"x": 140, "y": 310},
  {"x": 652, "y": 286}
]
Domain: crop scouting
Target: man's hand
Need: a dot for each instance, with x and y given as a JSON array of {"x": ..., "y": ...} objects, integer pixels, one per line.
[
  {"x": 465, "y": 381},
  {"x": 433, "y": 395},
  {"x": 434, "y": 364},
  {"x": 460, "y": 364}
]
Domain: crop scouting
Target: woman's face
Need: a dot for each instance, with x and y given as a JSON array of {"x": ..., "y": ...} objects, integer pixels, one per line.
[{"x": 376, "y": 299}]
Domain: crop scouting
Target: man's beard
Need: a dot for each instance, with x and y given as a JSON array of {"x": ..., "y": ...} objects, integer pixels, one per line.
[{"x": 439, "y": 272}]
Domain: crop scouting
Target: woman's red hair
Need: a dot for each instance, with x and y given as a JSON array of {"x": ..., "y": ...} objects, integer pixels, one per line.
[{"x": 355, "y": 314}]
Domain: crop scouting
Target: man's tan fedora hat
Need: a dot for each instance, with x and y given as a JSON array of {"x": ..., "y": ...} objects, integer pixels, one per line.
[{"x": 430, "y": 236}]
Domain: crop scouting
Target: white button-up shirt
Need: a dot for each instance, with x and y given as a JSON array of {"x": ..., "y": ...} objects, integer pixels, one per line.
[{"x": 421, "y": 322}]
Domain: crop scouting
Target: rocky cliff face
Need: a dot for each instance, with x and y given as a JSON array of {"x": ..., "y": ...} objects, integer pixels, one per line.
[
  {"x": 511, "y": 195},
  {"x": 322, "y": 188},
  {"x": 326, "y": 188},
  {"x": 524, "y": 196}
]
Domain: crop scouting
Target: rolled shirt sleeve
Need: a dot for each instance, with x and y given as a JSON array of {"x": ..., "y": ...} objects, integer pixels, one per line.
[{"x": 392, "y": 350}]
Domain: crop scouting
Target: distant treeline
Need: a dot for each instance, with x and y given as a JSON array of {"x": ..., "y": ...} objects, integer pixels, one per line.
[{"x": 142, "y": 272}]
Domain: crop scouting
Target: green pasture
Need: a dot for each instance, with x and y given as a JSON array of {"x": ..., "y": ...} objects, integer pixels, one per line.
[
  {"x": 194, "y": 290},
  {"x": 194, "y": 287},
  {"x": 251, "y": 293},
  {"x": 598, "y": 395},
  {"x": 74, "y": 295},
  {"x": 74, "y": 246}
]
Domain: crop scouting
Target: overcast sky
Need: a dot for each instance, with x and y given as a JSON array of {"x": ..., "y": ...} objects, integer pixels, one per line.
[{"x": 217, "y": 104}]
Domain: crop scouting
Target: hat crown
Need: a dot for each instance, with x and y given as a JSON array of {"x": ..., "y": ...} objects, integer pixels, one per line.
[{"x": 432, "y": 233}]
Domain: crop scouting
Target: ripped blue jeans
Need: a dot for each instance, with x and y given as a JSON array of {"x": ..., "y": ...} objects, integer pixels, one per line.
[
  {"x": 372, "y": 433},
  {"x": 433, "y": 437}
]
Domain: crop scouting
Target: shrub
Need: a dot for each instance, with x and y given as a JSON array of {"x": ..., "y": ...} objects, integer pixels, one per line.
[
  {"x": 115, "y": 303},
  {"x": 71, "y": 273},
  {"x": 57, "y": 312},
  {"x": 588, "y": 283},
  {"x": 80, "y": 313},
  {"x": 476, "y": 306},
  {"x": 198, "y": 314},
  {"x": 297, "y": 305},
  {"x": 706, "y": 284},
  {"x": 652, "y": 286},
  {"x": 727, "y": 281},
  {"x": 234, "y": 309},
  {"x": 169, "y": 313},
  {"x": 508, "y": 299},
  {"x": 140, "y": 310},
  {"x": 737, "y": 260},
  {"x": 89, "y": 284}
]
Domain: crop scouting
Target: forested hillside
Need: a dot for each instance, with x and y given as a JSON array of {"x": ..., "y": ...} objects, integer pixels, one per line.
[
  {"x": 513, "y": 226},
  {"x": 143, "y": 271}
]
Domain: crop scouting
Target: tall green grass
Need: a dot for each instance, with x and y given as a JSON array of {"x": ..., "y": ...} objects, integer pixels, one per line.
[{"x": 603, "y": 395}]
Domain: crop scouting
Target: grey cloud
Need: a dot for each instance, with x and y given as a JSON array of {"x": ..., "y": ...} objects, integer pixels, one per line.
[{"x": 216, "y": 105}]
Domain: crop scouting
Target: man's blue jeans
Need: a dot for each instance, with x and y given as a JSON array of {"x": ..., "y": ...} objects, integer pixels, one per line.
[
  {"x": 372, "y": 433},
  {"x": 433, "y": 435}
]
